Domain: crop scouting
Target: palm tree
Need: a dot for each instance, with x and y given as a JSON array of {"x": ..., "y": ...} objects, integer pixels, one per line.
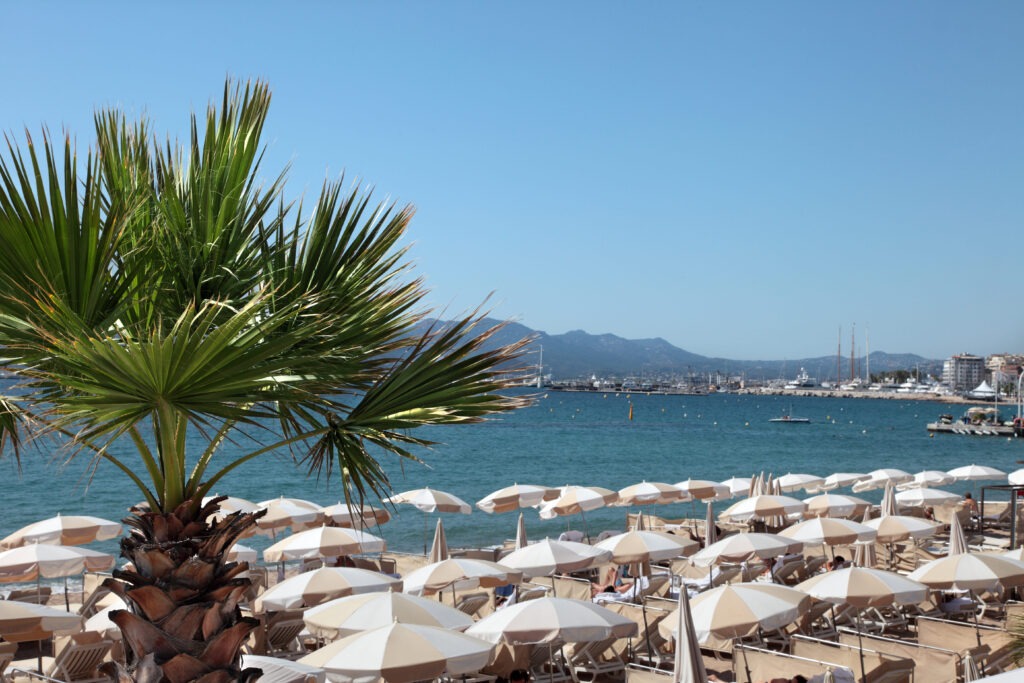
[{"x": 154, "y": 291}]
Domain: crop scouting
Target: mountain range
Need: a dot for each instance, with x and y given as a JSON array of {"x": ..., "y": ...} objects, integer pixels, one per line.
[{"x": 578, "y": 354}]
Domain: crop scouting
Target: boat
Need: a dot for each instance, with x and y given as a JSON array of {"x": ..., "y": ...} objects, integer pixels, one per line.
[
  {"x": 802, "y": 381},
  {"x": 978, "y": 421},
  {"x": 790, "y": 418}
]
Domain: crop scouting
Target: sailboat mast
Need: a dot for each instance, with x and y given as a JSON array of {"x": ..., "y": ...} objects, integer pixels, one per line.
[
  {"x": 839, "y": 357},
  {"x": 853, "y": 346},
  {"x": 540, "y": 368},
  {"x": 867, "y": 354}
]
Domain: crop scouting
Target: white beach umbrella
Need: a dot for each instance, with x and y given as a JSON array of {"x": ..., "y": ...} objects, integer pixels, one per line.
[
  {"x": 32, "y": 562},
  {"x": 829, "y": 531},
  {"x": 431, "y": 500},
  {"x": 970, "y": 572},
  {"x": 925, "y": 497},
  {"x": 101, "y": 620},
  {"x": 762, "y": 507},
  {"x": 357, "y": 516},
  {"x": 794, "y": 482},
  {"x": 738, "y": 486},
  {"x": 647, "y": 546},
  {"x": 703, "y": 489},
  {"x": 862, "y": 587},
  {"x": 459, "y": 573},
  {"x": 835, "y": 505},
  {"x": 650, "y": 493},
  {"x": 320, "y": 585},
  {"x": 839, "y": 480},
  {"x": 232, "y": 504},
  {"x": 242, "y": 553},
  {"x": 18, "y": 617},
  {"x": 877, "y": 479},
  {"x": 354, "y": 613},
  {"x": 64, "y": 530},
  {"x": 553, "y": 621},
  {"x": 574, "y": 500},
  {"x": 322, "y": 542},
  {"x": 928, "y": 478},
  {"x": 277, "y": 670},
  {"x": 737, "y": 610},
  {"x": 896, "y": 528},
  {"x": 400, "y": 653},
  {"x": 288, "y": 512},
  {"x": 744, "y": 547},
  {"x": 549, "y": 556},
  {"x": 1016, "y": 477},
  {"x": 976, "y": 473},
  {"x": 515, "y": 497}
]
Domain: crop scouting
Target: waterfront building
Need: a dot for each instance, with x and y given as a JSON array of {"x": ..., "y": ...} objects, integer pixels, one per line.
[{"x": 963, "y": 372}]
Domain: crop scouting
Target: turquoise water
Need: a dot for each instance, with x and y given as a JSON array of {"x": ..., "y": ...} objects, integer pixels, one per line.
[{"x": 572, "y": 438}]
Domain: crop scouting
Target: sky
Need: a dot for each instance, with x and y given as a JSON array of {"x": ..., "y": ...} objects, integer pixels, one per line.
[{"x": 745, "y": 180}]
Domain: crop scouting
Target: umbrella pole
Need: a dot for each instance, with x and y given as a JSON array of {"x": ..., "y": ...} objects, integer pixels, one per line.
[
  {"x": 67, "y": 600},
  {"x": 585, "y": 532},
  {"x": 647, "y": 630},
  {"x": 977, "y": 629},
  {"x": 860, "y": 647}
]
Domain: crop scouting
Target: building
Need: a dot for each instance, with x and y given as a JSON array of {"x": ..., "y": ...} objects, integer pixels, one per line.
[{"x": 963, "y": 372}]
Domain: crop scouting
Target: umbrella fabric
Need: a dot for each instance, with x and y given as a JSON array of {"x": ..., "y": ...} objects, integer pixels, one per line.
[
  {"x": 650, "y": 493},
  {"x": 761, "y": 507},
  {"x": 829, "y": 531},
  {"x": 358, "y": 516},
  {"x": 896, "y": 528},
  {"x": 24, "y": 617},
  {"x": 889, "y": 506},
  {"x": 439, "y": 548},
  {"x": 288, "y": 512},
  {"x": 737, "y": 610},
  {"x": 976, "y": 473},
  {"x": 957, "y": 540},
  {"x": 324, "y": 541},
  {"x": 460, "y": 572},
  {"x": 1016, "y": 477},
  {"x": 970, "y": 572},
  {"x": 702, "y": 489},
  {"x": 348, "y": 615},
  {"x": 521, "y": 540},
  {"x": 549, "y": 556},
  {"x": 431, "y": 500},
  {"x": 277, "y": 669},
  {"x": 516, "y": 496},
  {"x": 552, "y": 620},
  {"x": 862, "y": 587},
  {"x": 840, "y": 480},
  {"x": 320, "y": 585},
  {"x": 646, "y": 546},
  {"x": 927, "y": 498},
  {"x": 928, "y": 478},
  {"x": 400, "y": 653},
  {"x": 970, "y": 671},
  {"x": 31, "y": 562},
  {"x": 241, "y": 553},
  {"x": 835, "y": 505},
  {"x": 743, "y": 547},
  {"x": 232, "y": 504},
  {"x": 61, "y": 530},
  {"x": 877, "y": 479},
  {"x": 689, "y": 663},
  {"x": 795, "y": 482},
  {"x": 864, "y": 555},
  {"x": 738, "y": 486},
  {"x": 573, "y": 500},
  {"x": 710, "y": 529}
]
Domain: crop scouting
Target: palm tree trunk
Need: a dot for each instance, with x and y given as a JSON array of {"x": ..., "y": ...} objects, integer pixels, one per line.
[{"x": 183, "y": 622}]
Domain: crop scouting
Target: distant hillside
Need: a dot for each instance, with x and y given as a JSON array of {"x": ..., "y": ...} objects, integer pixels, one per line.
[{"x": 578, "y": 354}]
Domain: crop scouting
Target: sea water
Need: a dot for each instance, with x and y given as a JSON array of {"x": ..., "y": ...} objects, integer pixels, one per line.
[{"x": 563, "y": 438}]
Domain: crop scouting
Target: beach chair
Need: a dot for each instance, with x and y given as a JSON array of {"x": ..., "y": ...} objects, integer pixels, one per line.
[
  {"x": 472, "y": 603},
  {"x": 547, "y": 664},
  {"x": 7, "y": 652},
  {"x": 788, "y": 573},
  {"x": 573, "y": 535},
  {"x": 279, "y": 636},
  {"x": 77, "y": 658},
  {"x": 532, "y": 593},
  {"x": 814, "y": 564},
  {"x": 37, "y": 596},
  {"x": 588, "y": 659}
]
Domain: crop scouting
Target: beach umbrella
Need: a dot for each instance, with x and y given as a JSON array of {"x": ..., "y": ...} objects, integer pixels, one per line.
[
  {"x": 574, "y": 500},
  {"x": 646, "y": 546},
  {"x": 18, "y": 617},
  {"x": 64, "y": 530},
  {"x": 400, "y": 653},
  {"x": 976, "y": 473},
  {"x": 1016, "y": 477},
  {"x": 281, "y": 670},
  {"x": 688, "y": 662},
  {"x": 896, "y": 528},
  {"x": 878, "y": 478},
  {"x": 552, "y": 621},
  {"x": 241, "y": 553},
  {"x": 744, "y": 547},
  {"x": 439, "y": 548},
  {"x": 232, "y": 504},
  {"x": 320, "y": 585},
  {"x": 888, "y": 506},
  {"x": 703, "y": 489},
  {"x": 459, "y": 573},
  {"x": 839, "y": 480},
  {"x": 357, "y": 516},
  {"x": 920, "y": 498},
  {"x": 521, "y": 540},
  {"x": 829, "y": 531},
  {"x": 957, "y": 540},
  {"x": 970, "y": 572},
  {"x": 794, "y": 482},
  {"x": 323, "y": 542},
  {"x": 101, "y": 620},
  {"x": 762, "y": 507},
  {"x": 348, "y": 615},
  {"x": 549, "y": 556},
  {"x": 516, "y": 496},
  {"x": 738, "y": 486},
  {"x": 431, "y": 500},
  {"x": 970, "y": 671},
  {"x": 864, "y": 555},
  {"x": 737, "y": 610},
  {"x": 835, "y": 505},
  {"x": 928, "y": 478},
  {"x": 288, "y": 512},
  {"x": 650, "y": 493},
  {"x": 38, "y": 561}
]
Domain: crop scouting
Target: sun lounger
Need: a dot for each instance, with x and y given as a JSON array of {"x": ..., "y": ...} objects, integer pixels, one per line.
[
  {"x": 472, "y": 603},
  {"x": 547, "y": 664},
  {"x": 279, "y": 635},
  {"x": 38, "y": 596},
  {"x": 77, "y": 658},
  {"x": 7, "y": 652},
  {"x": 591, "y": 659},
  {"x": 752, "y": 665}
]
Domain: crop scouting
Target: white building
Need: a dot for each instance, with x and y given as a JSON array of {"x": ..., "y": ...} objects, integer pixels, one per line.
[{"x": 963, "y": 372}]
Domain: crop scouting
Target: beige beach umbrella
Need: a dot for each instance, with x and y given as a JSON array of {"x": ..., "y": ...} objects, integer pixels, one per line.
[
  {"x": 346, "y": 616},
  {"x": 288, "y": 512},
  {"x": 39, "y": 561},
  {"x": 431, "y": 500},
  {"x": 794, "y": 482},
  {"x": 688, "y": 662},
  {"x": 354, "y": 516},
  {"x": 18, "y": 618},
  {"x": 864, "y": 555},
  {"x": 957, "y": 540},
  {"x": 703, "y": 489},
  {"x": 889, "y": 506},
  {"x": 439, "y": 548},
  {"x": 459, "y": 573},
  {"x": 896, "y": 528},
  {"x": 877, "y": 479},
  {"x": 515, "y": 497},
  {"x": 861, "y": 587},
  {"x": 276, "y": 669},
  {"x": 920, "y": 498},
  {"x": 400, "y": 653},
  {"x": 320, "y": 585},
  {"x": 829, "y": 531},
  {"x": 970, "y": 572},
  {"x": 926, "y": 479},
  {"x": 738, "y": 610},
  {"x": 977, "y": 473},
  {"x": 738, "y": 486},
  {"x": 649, "y": 493},
  {"x": 322, "y": 542},
  {"x": 573, "y": 500},
  {"x": 64, "y": 530},
  {"x": 242, "y": 553},
  {"x": 835, "y": 505},
  {"x": 762, "y": 507},
  {"x": 553, "y": 621},
  {"x": 745, "y": 547},
  {"x": 839, "y": 480},
  {"x": 548, "y": 556},
  {"x": 521, "y": 539},
  {"x": 646, "y": 546}
]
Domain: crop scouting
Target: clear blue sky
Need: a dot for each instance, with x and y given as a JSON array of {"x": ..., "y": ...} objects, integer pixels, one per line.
[{"x": 738, "y": 178}]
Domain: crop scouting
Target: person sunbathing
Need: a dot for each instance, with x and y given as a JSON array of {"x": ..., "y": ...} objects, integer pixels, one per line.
[{"x": 613, "y": 583}]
